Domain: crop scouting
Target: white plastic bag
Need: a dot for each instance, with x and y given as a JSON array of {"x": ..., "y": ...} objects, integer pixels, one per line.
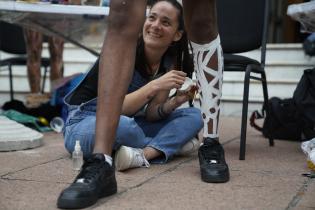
[{"x": 308, "y": 148}]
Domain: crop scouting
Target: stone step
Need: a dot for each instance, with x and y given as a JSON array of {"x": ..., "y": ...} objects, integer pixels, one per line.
[{"x": 284, "y": 67}]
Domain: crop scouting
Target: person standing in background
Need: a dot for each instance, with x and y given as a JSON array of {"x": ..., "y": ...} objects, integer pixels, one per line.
[
  {"x": 202, "y": 29},
  {"x": 34, "y": 42}
]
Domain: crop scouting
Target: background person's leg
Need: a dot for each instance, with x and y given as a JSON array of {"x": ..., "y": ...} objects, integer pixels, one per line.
[
  {"x": 33, "y": 40},
  {"x": 56, "y": 58},
  {"x": 201, "y": 24},
  {"x": 116, "y": 66},
  {"x": 209, "y": 73},
  {"x": 97, "y": 177}
]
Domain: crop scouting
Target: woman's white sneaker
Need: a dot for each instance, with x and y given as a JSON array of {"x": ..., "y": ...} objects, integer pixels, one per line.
[
  {"x": 190, "y": 147},
  {"x": 128, "y": 157}
]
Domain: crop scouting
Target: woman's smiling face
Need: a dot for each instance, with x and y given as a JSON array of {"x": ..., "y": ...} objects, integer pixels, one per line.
[{"x": 161, "y": 26}]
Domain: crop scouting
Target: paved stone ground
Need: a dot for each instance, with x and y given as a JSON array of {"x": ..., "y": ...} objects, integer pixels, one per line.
[{"x": 269, "y": 178}]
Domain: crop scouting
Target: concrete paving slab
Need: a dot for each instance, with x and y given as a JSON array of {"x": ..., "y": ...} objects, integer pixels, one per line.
[
  {"x": 25, "y": 194},
  {"x": 60, "y": 171},
  {"x": 182, "y": 189},
  {"x": 260, "y": 155},
  {"x": 269, "y": 178},
  {"x": 304, "y": 199},
  {"x": 51, "y": 149},
  {"x": 229, "y": 128},
  {"x": 268, "y": 181}
]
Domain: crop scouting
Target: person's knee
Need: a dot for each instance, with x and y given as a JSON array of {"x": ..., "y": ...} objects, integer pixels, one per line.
[
  {"x": 69, "y": 144},
  {"x": 201, "y": 31},
  {"x": 201, "y": 20},
  {"x": 125, "y": 127},
  {"x": 195, "y": 118},
  {"x": 126, "y": 17}
]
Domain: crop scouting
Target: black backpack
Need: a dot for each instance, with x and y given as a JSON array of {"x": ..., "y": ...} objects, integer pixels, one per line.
[
  {"x": 304, "y": 99},
  {"x": 293, "y": 118}
]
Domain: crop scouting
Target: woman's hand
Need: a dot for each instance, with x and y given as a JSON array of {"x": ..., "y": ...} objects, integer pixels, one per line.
[
  {"x": 170, "y": 80},
  {"x": 180, "y": 98},
  {"x": 183, "y": 96}
]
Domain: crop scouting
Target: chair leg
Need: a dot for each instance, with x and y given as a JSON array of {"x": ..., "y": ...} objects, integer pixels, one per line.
[
  {"x": 11, "y": 83},
  {"x": 266, "y": 97},
  {"x": 244, "y": 114}
]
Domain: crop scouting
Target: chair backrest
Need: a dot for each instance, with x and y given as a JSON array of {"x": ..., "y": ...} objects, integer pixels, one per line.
[
  {"x": 12, "y": 38},
  {"x": 242, "y": 24}
]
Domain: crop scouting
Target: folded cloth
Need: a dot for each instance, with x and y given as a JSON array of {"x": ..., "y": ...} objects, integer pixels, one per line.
[{"x": 25, "y": 119}]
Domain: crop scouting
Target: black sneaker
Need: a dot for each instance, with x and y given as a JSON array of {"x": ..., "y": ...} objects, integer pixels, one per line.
[
  {"x": 213, "y": 167},
  {"x": 96, "y": 180}
]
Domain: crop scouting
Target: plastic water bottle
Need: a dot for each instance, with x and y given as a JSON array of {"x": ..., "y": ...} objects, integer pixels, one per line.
[
  {"x": 77, "y": 156},
  {"x": 57, "y": 124}
]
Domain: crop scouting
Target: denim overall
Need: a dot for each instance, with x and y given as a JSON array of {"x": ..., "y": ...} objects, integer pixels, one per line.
[{"x": 167, "y": 135}]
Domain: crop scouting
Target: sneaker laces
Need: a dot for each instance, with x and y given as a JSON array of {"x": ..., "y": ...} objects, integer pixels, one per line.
[{"x": 139, "y": 159}]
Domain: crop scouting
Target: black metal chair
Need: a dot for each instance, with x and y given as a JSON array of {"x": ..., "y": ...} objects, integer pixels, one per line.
[
  {"x": 243, "y": 27},
  {"x": 12, "y": 42}
]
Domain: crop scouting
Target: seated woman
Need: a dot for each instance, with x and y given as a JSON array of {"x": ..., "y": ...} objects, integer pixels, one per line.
[{"x": 151, "y": 128}]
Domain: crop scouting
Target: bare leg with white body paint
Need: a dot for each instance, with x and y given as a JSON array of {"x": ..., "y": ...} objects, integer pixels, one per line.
[{"x": 201, "y": 25}]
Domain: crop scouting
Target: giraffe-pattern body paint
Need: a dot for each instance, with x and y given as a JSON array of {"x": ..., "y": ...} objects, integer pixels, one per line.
[{"x": 208, "y": 64}]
